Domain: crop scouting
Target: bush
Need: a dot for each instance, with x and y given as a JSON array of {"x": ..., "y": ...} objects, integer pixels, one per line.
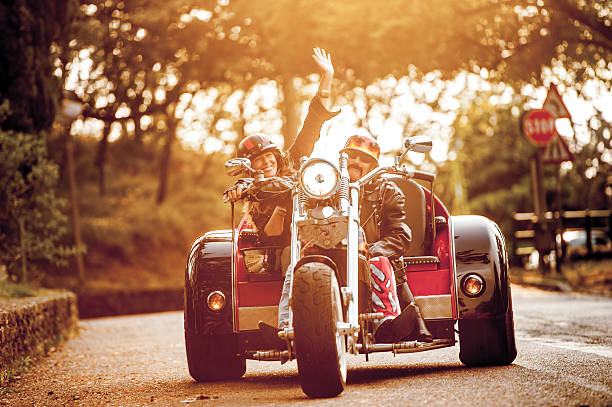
[{"x": 31, "y": 218}]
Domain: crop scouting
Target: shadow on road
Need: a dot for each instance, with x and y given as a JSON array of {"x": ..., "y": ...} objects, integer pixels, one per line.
[{"x": 369, "y": 374}]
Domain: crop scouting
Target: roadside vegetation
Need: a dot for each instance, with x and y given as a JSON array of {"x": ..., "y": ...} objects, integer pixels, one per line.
[{"x": 131, "y": 242}]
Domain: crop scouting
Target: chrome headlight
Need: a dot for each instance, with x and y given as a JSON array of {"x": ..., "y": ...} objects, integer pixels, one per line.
[{"x": 319, "y": 178}]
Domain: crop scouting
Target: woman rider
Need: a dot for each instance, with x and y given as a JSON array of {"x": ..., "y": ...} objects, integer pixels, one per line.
[
  {"x": 267, "y": 157},
  {"x": 269, "y": 216}
]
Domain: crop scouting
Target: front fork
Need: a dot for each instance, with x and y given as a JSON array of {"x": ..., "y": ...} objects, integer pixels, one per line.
[
  {"x": 296, "y": 248},
  {"x": 350, "y": 293}
]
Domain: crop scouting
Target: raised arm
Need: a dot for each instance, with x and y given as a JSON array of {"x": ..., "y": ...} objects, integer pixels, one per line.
[
  {"x": 326, "y": 69},
  {"x": 318, "y": 111}
]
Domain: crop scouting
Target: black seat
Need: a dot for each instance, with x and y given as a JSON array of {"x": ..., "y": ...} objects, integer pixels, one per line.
[{"x": 416, "y": 214}]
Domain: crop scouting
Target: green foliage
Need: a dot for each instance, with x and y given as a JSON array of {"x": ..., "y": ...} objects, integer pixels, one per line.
[
  {"x": 488, "y": 173},
  {"x": 27, "y": 30},
  {"x": 31, "y": 218},
  {"x": 489, "y": 170},
  {"x": 125, "y": 226},
  {"x": 516, "y": 39},
  {"x": 584, "y": 185},
  {"x": 18, "y": 290}
]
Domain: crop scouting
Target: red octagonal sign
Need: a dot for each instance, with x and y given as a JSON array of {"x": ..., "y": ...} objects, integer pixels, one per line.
[{"x": 539, "y": 126}]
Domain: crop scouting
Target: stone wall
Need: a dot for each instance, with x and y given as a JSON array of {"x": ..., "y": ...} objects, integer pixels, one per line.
[{"x": 29, "y": 325}]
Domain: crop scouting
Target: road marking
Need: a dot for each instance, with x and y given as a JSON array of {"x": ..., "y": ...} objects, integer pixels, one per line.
[
  {"x": 604, "y": 351},
  {"x": 598, "y": 350}
]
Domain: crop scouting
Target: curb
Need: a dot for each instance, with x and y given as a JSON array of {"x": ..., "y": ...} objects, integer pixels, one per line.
[
  {"x": 539, "y": 281},
  {"x": 29, "y": 326},
  {"x": 123, "y": 302}
]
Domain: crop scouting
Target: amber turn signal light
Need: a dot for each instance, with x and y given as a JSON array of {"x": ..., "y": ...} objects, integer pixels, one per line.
[
  {"x": 473, "y": 285},
  {"x": 216, "y": 301}
]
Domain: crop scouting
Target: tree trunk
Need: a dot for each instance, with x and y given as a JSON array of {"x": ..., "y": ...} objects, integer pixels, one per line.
[
  {"x": 24, "y": 254},
  {"x": 76, "y": 217},
  {"x": 100, "y": 161},
  {"x": 162, "y": 187},
  {"x": 291, "y": 113}
]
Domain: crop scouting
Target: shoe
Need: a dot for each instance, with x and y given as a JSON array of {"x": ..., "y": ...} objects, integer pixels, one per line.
[{"x": 270, "y": 336}]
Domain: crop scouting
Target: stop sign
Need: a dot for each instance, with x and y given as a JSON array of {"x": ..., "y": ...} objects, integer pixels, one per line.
[{"x": 539, "y": 126}]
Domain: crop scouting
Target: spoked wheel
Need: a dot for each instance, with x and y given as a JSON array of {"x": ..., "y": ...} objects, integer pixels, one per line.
[{"x": 320, "y": 349}]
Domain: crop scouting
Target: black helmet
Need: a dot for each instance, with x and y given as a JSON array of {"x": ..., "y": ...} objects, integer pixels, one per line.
[{"x": 256, "y": 144}]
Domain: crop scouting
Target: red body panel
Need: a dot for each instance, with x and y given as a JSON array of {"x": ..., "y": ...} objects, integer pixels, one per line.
[
  {"x": 255, "y": 290},
  {"x": 435, "y": 279}
]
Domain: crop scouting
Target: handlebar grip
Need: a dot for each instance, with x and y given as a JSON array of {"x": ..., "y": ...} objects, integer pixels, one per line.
[{"x": 425, "y": 176}]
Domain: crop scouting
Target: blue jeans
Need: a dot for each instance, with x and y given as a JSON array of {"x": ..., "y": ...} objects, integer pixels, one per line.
[{"x": 283, "y": 304}]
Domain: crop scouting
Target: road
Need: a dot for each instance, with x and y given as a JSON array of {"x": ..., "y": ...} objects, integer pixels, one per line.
[{"x": 564, "y": 359}]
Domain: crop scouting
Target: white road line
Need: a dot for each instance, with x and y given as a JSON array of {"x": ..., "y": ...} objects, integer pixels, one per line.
[{"x": 604, "y": 351}]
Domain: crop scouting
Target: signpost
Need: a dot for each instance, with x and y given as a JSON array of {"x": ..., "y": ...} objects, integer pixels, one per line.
[
  {"x": 539, "y": 128},
  {"x": 557, "y": 151}
]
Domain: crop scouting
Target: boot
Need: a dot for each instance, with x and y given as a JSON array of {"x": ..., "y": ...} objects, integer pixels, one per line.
[
  {"x": 422, "y": 333},
  {"x": 407, "y": 300},
  {"x": 404, "y": 295},
  {"x": 384, "y": 333},
  {"x": 270, "y": 336}
]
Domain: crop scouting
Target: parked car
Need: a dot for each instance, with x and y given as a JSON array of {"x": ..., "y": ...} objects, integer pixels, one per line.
[{"x": 575, "y": 242}]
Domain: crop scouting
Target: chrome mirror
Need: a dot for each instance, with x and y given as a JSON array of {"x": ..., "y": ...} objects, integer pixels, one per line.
[
  {"x": 418, "y": 144},
  {"x": 238, "y": 166}
]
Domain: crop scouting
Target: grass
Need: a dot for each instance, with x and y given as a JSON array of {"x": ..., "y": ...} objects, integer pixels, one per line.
[
  {"x": 19, "y": 290},
  {"x": 589, "y": 274},
  {"x": 584, "y": 275}
]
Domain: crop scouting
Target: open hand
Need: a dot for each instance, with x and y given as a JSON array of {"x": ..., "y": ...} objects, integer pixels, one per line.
[{"x": 323, "y": 60}]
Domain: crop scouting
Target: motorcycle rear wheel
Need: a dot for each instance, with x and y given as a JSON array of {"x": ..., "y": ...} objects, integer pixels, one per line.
[{"x": 320, "y": 348}]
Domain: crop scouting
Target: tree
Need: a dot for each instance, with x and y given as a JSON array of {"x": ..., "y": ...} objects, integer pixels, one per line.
[
  {"x": 31, "y": 221},
  {"x": 147, "y": 57},
  {"x": 27, "y": 31},
  {"x": 584, "y": 182},
  {"x": 513, "y": 40}
]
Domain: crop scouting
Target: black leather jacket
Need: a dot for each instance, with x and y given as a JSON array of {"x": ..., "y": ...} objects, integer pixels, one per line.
[{"x": 383, "y": 219}]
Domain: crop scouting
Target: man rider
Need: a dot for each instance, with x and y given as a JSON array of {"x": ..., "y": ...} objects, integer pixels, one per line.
[{"x": 383, "y": 221}]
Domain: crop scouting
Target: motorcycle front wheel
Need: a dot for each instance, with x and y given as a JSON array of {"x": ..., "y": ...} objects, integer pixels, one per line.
[{"x": 320, "y": 349}]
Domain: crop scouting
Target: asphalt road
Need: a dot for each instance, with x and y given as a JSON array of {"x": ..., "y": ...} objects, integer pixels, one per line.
[{"x": 564, "y": 359}]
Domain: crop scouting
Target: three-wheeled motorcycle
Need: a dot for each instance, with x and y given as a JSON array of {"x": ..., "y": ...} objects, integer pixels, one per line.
[{"x": 457, "y": 268}]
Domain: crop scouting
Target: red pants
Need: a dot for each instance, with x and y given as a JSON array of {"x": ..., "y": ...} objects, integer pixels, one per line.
[{"x": 384, "y": 292}]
